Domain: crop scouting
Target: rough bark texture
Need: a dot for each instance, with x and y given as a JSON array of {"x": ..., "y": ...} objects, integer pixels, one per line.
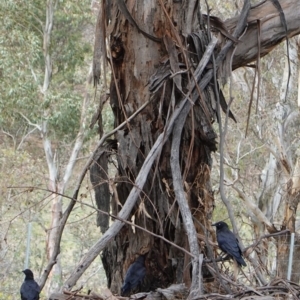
[
  {"x": 138, "y": 64},
  {"x": 135, "y": 59},
  {"x": 99, "y": 180}
]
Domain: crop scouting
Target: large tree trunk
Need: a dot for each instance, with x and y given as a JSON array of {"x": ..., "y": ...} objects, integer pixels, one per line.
[
  {"x": 141, "y": 71},
  {"x": 135, "y": 59}
]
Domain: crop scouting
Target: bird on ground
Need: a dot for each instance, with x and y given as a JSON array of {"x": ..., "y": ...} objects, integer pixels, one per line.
[
  {"x": 30, "y": 290},
  {"x": 134, "y": 275},
  {"x": 228, "y": 242}
]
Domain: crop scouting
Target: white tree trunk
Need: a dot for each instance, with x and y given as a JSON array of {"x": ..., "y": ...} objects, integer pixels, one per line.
[
  {"x": 55, "y": 276},
  {"x": 56, "y": 185},
  {"x": 278, "y": 169}
]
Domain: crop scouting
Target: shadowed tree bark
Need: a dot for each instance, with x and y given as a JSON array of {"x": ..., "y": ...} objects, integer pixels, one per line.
[{"x": 155, "y": 53}]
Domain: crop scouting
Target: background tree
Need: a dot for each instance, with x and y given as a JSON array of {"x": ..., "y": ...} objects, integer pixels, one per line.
[
  {"x": 45, "y": 102},
  {"x": 274, "y": 143}
]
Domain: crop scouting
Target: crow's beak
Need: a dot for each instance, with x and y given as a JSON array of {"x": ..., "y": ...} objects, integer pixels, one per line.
[{"x": 215, "y": 224}]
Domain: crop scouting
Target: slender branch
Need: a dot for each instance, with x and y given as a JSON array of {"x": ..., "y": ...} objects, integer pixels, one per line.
[
  {"x": 38, "y": 127},
  {"x": 104, "y": 213},
  {"x": 78, "y": 142},
  {"x": 223, "y": 130},
  {"x": 253, "y": 207},
  {"x": 11, "y": 136},
  {"x": 196, "y": 286},
  {"x": 25, "y": 137}
]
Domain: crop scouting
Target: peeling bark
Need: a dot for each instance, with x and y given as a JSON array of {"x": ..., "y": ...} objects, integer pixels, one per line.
[
  {"x": 142, "y": 70},
  {"x": 135, "y": 142},
  {"x": 99, "y": 180}
]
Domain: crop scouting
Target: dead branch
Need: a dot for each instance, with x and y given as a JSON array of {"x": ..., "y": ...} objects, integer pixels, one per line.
[
  {"x": 175, "y": 166},
  {"x": 272, "y": 32}
]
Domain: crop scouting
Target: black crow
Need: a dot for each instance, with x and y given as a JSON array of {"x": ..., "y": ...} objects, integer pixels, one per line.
[
  {"x": 30, "y": 290},
  {"x": 228, "y": 242},
  {"x": 134, "y": 275}
]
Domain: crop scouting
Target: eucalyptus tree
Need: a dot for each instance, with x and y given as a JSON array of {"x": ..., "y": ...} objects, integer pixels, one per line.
[
  {"x": 45, "y": 91},
  {"x": 263, "y": 168},
  {"x": 166, "y": 66}
]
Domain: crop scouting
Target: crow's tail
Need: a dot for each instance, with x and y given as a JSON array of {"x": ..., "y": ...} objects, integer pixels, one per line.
[{"x": 241, "y": 261}]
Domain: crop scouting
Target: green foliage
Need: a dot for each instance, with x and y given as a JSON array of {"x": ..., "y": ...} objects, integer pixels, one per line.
[
  {"x": 20, "y": 55},
  {"x": 22, "y": 69},
  {"x": 65, "y": 114},
  {"x": 68, "y": 49},
  {"x": 23, "y": 66}
]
